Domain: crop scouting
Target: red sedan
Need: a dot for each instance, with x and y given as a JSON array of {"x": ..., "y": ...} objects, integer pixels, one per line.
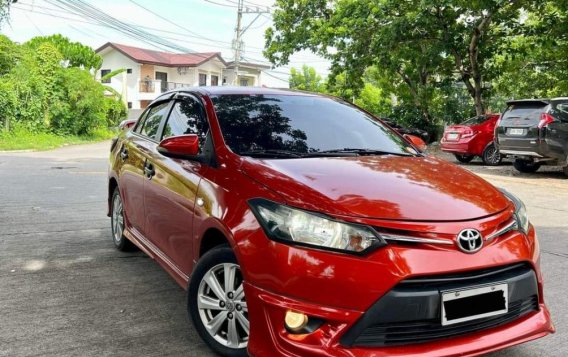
[
  {"x": 302, "y": 226},
  {"x": 474, "y": 137}
]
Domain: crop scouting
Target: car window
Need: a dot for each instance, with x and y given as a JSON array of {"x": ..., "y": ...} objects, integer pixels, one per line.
[
  {"x": 151, "y": 123},
  {"x": 524, "y": 111},
  {"x": 302, "y": 124},
  {"x": 475, "y": 120},
  {"x": 563, "y": 111},
  {"x": 187, "y": 117}
]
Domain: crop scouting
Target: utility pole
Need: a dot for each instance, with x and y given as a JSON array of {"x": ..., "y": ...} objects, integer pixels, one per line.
[{"x": 238, "y": 43}]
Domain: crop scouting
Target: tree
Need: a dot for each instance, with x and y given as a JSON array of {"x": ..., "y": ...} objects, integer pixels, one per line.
[
  {"x": 74, "y": 54},
  {"x": 5, "y": 10},
  {"x": 306, "y": 79},
  {"x": 417, "y": 44}
]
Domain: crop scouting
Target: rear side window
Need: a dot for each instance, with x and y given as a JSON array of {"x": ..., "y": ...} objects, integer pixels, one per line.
[
  {"x": 151, "y": 123},
  {"x": 187, "y": 117}
]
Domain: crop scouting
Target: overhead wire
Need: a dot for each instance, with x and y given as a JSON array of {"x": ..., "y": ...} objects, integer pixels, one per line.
[{"x": 146, "y": 37}]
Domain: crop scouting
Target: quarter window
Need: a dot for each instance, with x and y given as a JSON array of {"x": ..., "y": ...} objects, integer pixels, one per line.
[
  {"x": 187, "y": 117},
  {"x": 151, "y": 123}
]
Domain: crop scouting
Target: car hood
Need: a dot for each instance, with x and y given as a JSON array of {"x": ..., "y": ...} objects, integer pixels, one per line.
[{"x": 383, "y": 187}]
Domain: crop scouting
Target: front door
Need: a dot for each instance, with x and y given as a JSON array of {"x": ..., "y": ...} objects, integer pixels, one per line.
[
  {"x": 162, "y": 76},
  {"x": 171, "y": 193},
  {"x": 134, "y": 152}
]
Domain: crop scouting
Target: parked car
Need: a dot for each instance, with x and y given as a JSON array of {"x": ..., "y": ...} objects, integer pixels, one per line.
[
  {"x": 535, "y": 132},
  {"x": 422, "y": 134},
  {"x": 473, "y": 137},
  {"x": 301, "y": 225}
]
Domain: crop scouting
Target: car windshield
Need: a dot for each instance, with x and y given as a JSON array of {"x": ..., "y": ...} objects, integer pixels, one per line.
[{"x": 277, "y": 125}]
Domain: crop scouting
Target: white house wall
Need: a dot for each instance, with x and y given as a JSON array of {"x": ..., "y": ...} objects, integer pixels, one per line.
[{"x": 114, "y": 60}]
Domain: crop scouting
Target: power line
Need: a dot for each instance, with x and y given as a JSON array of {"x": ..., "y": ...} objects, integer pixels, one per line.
[
  {"x": 171, "y": 22},
  {"x": 309, "y": 59},
  {"x": 151, "y": 40}
]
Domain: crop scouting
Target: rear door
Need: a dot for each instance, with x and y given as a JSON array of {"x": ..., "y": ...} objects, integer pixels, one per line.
[
  {"x": 557, "y": 131},
  {"x": 518, "y": 129},
  {"x": 170, "y": 194},
  {"x": 134, "y": 152}
]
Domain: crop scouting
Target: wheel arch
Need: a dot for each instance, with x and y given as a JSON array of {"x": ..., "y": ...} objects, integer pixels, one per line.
[
  {"x": 213, "y": 237},
  {"x": 112, "y": 185}
]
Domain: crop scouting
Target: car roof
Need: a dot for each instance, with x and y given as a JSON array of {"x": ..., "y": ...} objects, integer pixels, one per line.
[
  {"x": 232, "y": 90},
  {"x": 529, "y": 101}
]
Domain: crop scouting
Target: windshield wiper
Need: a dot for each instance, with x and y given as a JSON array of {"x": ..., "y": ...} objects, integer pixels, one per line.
[
  {"x": 270, "y": 153},
  {"x": 363, "y": 152}
]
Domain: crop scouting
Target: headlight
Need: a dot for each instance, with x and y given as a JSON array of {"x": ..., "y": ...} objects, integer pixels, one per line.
[
  {"x": 520, "y": 211},
  {"x": 295, "y": 226}
]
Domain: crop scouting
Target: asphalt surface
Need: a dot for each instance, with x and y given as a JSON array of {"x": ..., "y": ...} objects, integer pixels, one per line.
[{"x": 65, "y": 290}]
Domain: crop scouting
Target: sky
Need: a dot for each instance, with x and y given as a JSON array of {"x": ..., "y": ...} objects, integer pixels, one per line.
[{"x": 198, "y": 25}]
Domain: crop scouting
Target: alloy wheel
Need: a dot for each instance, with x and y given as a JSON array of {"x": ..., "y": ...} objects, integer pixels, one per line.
[
  {"x": 491, "y": 156},
  {"x": 222, "y": 306},
  {"x": 117, "y": 219}
]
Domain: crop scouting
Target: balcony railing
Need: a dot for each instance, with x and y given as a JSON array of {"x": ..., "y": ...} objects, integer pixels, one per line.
[{"x": 149, "y": 86}]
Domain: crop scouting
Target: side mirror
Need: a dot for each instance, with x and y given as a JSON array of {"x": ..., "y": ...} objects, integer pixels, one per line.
[
  {"x": 180, "y": 147},
  {"x": 416, "y": 142},
  {"x": 127, "y": 124}
]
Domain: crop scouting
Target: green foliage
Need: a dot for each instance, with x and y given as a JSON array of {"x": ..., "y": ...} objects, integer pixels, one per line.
[
  {"x": 74, "y": 54},
  {"x": 43, "y": 90},
  {"x": 306, "y": 79},
  {"x": 373, "y": 100},
  {"x": 80, "y": 102},
  {"x": 115, "y": 111},
  {"x": 421, "y": 51},
  {"x": 22, "y": 139}
]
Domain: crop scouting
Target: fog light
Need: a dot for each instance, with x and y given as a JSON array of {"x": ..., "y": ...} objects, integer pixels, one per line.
[{"x": 295, "y": 321}]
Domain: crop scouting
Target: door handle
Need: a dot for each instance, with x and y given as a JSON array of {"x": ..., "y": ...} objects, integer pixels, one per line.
[
  {"x": 149, "y": 171},
  {"x": 124, "y": 154}
]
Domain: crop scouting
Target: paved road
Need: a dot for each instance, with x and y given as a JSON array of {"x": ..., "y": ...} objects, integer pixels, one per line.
[{"x": 65, "y": 291}]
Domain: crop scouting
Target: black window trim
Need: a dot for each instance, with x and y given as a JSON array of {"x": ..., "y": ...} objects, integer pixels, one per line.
[
  {"x": 211, "y": 159},
  {"x": 169, "y": 107}
]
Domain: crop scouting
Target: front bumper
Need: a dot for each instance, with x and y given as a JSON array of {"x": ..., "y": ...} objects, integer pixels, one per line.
[
  {"x": 342, "y": 291},
  {"x": 270, "y": 338}
]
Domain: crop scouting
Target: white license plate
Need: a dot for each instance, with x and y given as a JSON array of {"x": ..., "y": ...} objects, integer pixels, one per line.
[
  {"x": 452, "y": 136},
  {"x": 516, "y": 131},
  {"x": 474, "y": 303}
]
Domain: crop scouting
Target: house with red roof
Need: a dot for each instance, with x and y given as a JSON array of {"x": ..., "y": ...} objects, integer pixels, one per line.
[{"x": 149, "y": 73}]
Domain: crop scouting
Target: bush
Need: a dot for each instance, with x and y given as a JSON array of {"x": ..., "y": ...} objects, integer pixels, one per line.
[{"x": 79, "y": 103}]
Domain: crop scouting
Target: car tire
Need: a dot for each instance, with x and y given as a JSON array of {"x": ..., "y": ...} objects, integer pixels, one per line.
[
  {"x": 566, "y": 171},
  {"x": 464, "y": 158},
  {"x": 526, "y": 166},
  {"x": 491, "y": 155},
  {"x": 218, "y": 311},
  {"x": 117, "y": 220}
]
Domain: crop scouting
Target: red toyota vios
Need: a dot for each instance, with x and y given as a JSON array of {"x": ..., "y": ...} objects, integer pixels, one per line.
[
  {"x": 302, "y": 226},
  {"x": 474, "y": 137}
]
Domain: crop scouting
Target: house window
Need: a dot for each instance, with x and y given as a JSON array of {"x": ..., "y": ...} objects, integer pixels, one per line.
[
  {"x": 104, "y": 72},
  {"x": 214, "y": 80},
  {"x": 244, "y": 82},
  {"x": 224, "y": 80},
  {"x": 129, "y": 70},
  {"x": 129, "y": 105},
  {"x": 202, "y": 79}
]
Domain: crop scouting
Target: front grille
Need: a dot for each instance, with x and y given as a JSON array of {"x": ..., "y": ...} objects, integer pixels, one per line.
[
  {"x": 411, "y": 311},
  {"x": 391, "y": 334}
]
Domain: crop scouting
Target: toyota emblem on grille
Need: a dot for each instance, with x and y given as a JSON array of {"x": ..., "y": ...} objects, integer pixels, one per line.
[{"x": 470, "y": 240}]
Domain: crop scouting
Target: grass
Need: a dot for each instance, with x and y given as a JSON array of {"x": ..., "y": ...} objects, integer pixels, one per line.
[{"x": 24, "y": 140}]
